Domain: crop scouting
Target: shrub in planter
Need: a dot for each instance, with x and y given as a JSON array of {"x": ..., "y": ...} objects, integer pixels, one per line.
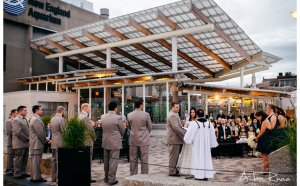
[
  {"x": 46, "y": 119},
  {"x": 74, "y": 158}
]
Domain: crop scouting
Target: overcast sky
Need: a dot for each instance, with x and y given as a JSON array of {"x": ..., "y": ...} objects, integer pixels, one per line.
[{"x": 267, "y": 22}]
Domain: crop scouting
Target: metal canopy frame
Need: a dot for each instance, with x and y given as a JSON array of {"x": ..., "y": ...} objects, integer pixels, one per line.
[{"x": 213, "y": 53}]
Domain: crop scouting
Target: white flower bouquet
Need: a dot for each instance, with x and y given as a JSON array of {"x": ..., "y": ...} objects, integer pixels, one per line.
[
  {"x": 251, "y": 142},
  {"x": 257, "y": 131}
]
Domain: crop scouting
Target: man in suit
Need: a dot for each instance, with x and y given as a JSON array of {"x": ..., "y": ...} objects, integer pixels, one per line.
[
  {"x": 37, "y": 140},
  {"x": 224, "y": 132},
  {"x": 113, "y": 129},
  {"x": 175, "y": 134},
  {"x": 256, "y": 125},
  {"x": 140, "y": 126},
  {"x": 243, "y": 116},
  {"x": 20, "y": 143},
  {"x": 230, "y": 115},
  {"x": 252, "y": 115},
  {"x": 10, "y": 153},
  {"x": 221, "y": 115},
  {"x": 58, "y": 127},
  {"x": 91, "y": 136}
]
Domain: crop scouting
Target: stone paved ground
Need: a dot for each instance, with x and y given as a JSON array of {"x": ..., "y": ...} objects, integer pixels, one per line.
[{"x": 229, "y": 170}]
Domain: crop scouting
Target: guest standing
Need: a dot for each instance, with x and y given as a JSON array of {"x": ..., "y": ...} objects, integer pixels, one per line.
[
  {"x": 113, "y": 129},
  {"x": 58, "y": 127},
  {"x": 175, "y": 134},
  {"x": 37, "y": 140},
  {"x": 140, "y": 126},
  {"x": 10, "y": 153}
]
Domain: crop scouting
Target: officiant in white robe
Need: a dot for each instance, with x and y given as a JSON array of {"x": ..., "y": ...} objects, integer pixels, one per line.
[{"x": 201, "y": 135}]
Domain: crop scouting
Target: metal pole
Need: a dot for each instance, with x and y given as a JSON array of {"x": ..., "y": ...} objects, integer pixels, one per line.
[
  {"x": 144, "y": 96},
  {"x": 104, "y": 100},
  {"x": 47, "y": 86},
  {"x": 90, "y": 102},
  {"x": 123, "y": 101},
  {"x": 242, "y": 77},
  {"x": 206, "y": 104},
  {"x": 167, "y": 94},
  {"x": 78, "y": 91},
  {"x": 189, "y": 102},
  {"x": 108, "y": 58},
  {"x": 37, "y": 87}
]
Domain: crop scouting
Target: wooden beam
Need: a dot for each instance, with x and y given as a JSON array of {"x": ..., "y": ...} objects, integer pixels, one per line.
[
  {"x": 193, "y": 40},
  {"x": 144, "y": 49},
  {"x": 101, "y": 55},
  {"x": 120, "y": 51},
  {"x": 68, "y": 60},
  {"x": 167, "y": 45},
  {"x": 220, "y": 32}
]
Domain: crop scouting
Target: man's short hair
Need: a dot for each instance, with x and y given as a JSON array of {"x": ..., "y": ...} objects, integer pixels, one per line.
[
  {"x": 84, "y": 105},
  {"x": 13, "y": 111},
  {"x": 174, "y": 103},
  {"x": 60, "y": 109},
  {"x": 138, "y": 103},
  {"x": 35, "y": 108},
  {"x": 112, "y": 105},
  {"x": 20, "y": 108},
  {"x": 200, "y": 113}
]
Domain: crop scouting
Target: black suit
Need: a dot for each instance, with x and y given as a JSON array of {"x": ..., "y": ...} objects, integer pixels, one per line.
[
  {"x": 244, "y": 116},
  {"x": 255, "y": 127},
  {"x": 252, "y": 117},
  {"x": 221, "y": 116},
  {"x": 221, "y": 135},
  {"x": 231, "y": 116}
]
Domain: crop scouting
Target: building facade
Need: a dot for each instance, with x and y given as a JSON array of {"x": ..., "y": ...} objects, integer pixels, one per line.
[{"x": 30, "y": 20}]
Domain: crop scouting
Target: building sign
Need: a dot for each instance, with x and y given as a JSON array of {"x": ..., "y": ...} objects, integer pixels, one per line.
[
  {"x": 15, "y": 7},
  {"x": 37, "y": 9},
  {"x": 51, "y": 16}
]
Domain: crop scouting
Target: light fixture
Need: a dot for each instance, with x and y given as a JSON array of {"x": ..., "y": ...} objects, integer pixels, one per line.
[
  {"x": 294, "y": 14},
  {"x": 217, "y": 97}
]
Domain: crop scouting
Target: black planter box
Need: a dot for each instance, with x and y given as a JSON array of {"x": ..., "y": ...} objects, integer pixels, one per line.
[{"x": 74, "y": 167}]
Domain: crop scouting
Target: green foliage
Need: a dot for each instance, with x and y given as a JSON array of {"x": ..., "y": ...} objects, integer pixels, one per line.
[
  {"x": 75, "y": 134},
  {"x": 46, "y": 119},
  {"x": 292, "y": 139}
]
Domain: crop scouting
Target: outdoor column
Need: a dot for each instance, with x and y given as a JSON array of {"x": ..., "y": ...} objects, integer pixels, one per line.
[
  {"x": 60, "y": 65},
  {"x": 60, "y": 88},
  {"x": 56, "y": 86},
  {"x": 174, "y": 92},
  {"x": 108, "y": 58},
  {"x": 206, "y": 104},
  {"x": 123, "y": 100},
  {"x": 29, "y": 86},
  {"x": 78, "y": 91},
  {"x": 167, "y": 97},
  {"x": 228, "y": 105},
  {"x": 90, "y": 102},
  {"x": 242, "y": 77},
  {"x": 242, "y": 104},
  {"x": 104, "y": 100},
  {"x": 189, "y": 101},
  {"x": 37, "y": 87},
  {"x": 252, "y": 103},
  {"x": 108, "y": 96},
  {"x": 144, "y": 96},
  {"x": 174, "y": 54},
  {"x": 47, "y": 86},
  {"x": 253, "y": 80}
]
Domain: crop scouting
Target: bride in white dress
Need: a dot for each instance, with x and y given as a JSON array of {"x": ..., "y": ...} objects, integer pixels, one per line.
[{"x": 185, "y": 158}]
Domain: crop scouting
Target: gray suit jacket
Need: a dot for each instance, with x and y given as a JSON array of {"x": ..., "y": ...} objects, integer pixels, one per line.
[
  {"x": 90, "y": 132},
  {"x": 175, "y": 132},
  {"x": 140, "y": 126},
  {"x": 20, "y": 130},
  {"x": 37, "y": 136},
  {"x": 113, "y": 129},
  {"x": 58, "y": 127},
  {"x": 8, "y": 128}
]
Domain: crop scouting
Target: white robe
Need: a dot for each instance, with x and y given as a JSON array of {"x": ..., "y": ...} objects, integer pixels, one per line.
[{"x": 202, "y": 140}]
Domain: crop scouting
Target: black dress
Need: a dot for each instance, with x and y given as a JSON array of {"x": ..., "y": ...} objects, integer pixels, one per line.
[{"x": 264, "y": 142}]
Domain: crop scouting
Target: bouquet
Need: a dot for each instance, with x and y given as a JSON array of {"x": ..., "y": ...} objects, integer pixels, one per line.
[{"x": 251, "y": 142}]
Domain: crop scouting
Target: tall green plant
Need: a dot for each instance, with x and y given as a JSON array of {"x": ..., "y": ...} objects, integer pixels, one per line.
[
  {"x": 46, "y": 119},
  {"x": 75, "y": 134},
  {"x": 292, "y": 138}
]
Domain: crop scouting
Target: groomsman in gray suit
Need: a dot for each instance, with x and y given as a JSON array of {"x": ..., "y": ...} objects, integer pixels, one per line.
[
  {"x": 113, "y": 129},
  {"x": 91, "y": 136},
  {"x": 140, "y": 125},
  {"x": 10, "y": 153},
  {"x": 37, "y": 140},
  {"x": 20, "y": 143},
  {"x": 175, "y": 135},
  {"x": 58, "y": 127}
]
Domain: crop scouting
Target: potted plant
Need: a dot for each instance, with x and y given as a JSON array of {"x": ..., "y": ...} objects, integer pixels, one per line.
[
  {"x": 74, "y": 158},
  {"x": 46, "y": 119}
]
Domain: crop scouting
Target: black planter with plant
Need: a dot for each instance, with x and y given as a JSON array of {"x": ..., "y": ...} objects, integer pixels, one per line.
[{"x": 74, "y": 158}]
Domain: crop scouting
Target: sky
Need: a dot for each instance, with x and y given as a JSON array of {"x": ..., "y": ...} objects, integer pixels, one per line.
[{"x": 267, "y": 22}]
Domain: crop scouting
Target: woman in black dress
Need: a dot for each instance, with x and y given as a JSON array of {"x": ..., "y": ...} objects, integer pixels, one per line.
[{"x": 263, "y": 139}]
